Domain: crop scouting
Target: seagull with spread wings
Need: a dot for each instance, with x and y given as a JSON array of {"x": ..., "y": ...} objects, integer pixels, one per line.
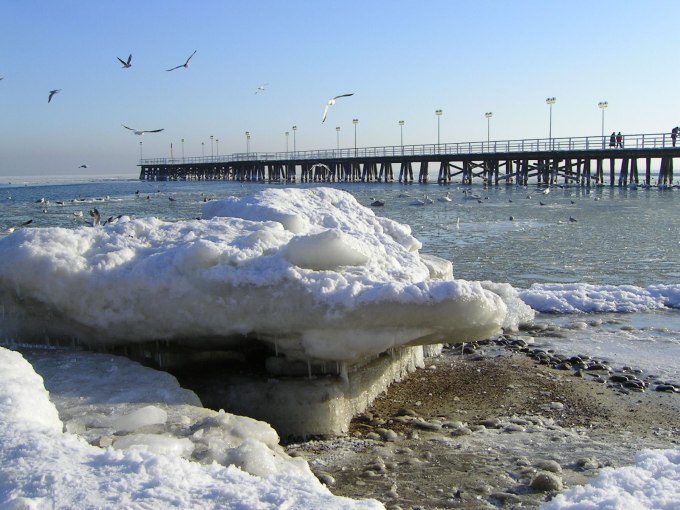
[
  {"x": 331, "y": 102},
  {"x": 126, "y": 64},
  {"x": 261, "y": 88},
  {"x": 186, "y": 64},
  {"x": 52, "y": 92},
  {"x": 140, "y": 132}
]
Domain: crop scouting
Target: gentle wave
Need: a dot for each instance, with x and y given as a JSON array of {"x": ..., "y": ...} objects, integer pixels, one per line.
[{"x": 586, "y": 298}]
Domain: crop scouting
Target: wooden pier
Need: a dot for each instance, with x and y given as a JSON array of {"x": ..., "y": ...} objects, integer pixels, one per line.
[{"x": 645, "y": 159}]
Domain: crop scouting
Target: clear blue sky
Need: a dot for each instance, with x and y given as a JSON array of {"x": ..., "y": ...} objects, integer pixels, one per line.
[{"x": 402, "y": 59}]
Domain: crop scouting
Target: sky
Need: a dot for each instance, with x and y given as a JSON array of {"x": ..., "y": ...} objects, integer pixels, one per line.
[{"x": 402, "y": 60}]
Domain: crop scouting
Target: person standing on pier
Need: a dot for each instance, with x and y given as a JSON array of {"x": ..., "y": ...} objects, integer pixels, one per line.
[
  {"x": 619, "y": 140},
  {"x": 612, "y": 140}
]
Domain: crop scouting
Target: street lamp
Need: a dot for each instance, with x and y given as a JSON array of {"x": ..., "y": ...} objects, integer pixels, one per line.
[
  {"x": 203, "y": 149},
  {"x": 211, "y": 146},
  {"x": 182, "y": 150},
  {"x": 217, "y": 147},
  {"x": 140, "y": 151},
  {"x": 337, "y": 136},
  {"x": 355, "y": 122},
  {"x": 603, "y": 105},
  {"x": 488, "y": 116},
  {"x": 550, "y": 101},
  {"x": 247, "y": 142},
  {"x": 401, "y": 129},
  {"x": 438, "y": 113},
  {"x": 294, "y": 139}
]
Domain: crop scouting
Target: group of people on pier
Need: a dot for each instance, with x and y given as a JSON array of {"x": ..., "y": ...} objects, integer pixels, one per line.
[{"x": 616, "y": 140}]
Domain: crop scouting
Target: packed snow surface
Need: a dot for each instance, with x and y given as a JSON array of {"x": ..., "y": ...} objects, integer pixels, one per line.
[
  {"x": 311, "y": 270},
  {"x": 167, "y": 452},
  {"x": 653, "y": 482}
]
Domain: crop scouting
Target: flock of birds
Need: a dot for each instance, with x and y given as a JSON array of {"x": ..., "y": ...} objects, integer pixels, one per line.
[
  {"x": 467, "y": 195},
  {"x": 423, "y": 200},
  {"x": 127, "y": 64}
]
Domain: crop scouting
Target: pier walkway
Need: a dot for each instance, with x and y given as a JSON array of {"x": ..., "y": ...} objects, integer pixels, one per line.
[{"x": 582, "y": 160}]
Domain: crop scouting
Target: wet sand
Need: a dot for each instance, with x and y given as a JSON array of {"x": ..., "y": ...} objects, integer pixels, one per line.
[{"x": 492, "y": 429}]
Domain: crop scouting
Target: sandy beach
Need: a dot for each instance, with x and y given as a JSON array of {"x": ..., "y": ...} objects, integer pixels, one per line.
[{"x": 492, "y": 428}]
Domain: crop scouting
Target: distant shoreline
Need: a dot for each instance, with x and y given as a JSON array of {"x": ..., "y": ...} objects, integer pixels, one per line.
[{"x": 32, "y": 180}]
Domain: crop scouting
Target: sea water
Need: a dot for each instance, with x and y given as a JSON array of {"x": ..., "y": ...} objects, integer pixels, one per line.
[{"x": 602, "y": 237}]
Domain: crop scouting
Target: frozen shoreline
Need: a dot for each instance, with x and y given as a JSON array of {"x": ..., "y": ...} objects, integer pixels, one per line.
[{"x": 474, "y": 431}]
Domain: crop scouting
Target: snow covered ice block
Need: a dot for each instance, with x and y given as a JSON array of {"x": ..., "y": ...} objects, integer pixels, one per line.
[{"x": 310, "y": 272}]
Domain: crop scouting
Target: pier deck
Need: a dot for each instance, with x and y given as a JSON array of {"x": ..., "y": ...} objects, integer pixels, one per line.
[{"x": 582, "y": 160}]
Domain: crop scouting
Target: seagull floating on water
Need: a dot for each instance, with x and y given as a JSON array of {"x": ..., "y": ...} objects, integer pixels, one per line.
[
  {"x": 13, "y": 228},
  {"x": 96, "y": 217},
  {"x": 445, "y": 198},
  {"x": 52, "y": 92},
  {"x": 186, "y": 64},
  {"x": 126, "y": 64},
  {"x": 331, "y": 102},
  {"x": 140, "y": 132}
]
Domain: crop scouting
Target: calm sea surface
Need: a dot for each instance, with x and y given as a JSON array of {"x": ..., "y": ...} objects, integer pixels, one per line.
[{"x": 517, "y": 235}]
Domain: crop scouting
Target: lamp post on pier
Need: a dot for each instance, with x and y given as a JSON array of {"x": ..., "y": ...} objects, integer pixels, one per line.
[
  {"x": 401, "y": 129},
  {"x": 211, "y": 146},
  {"x": 550, "y": 101},
  {"x": 337, "y": 137},
  {"x": 488, "y": 116},
  {"x": 203, "y": 150},
  {"x": 603, "y": 105},
  {"x": 438, "y": 113},
  {"x": 247, "y": 142},
  {"x": 182, "y": 150},
  {"x": 294, "y": 140},
  {"x": 287, "y": 133},
  {"x": 217, "y": 147},
  {"x": 140, "y": 152},
  {"x": 355, "y": 122}
]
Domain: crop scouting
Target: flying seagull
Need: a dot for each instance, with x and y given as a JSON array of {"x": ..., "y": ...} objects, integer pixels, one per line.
[
  {"x": 127, "y": 64},
  {"x": 142, "y": 131},
  {"x": 186, "y": 64},
  {"x": 331, "y": 102},
  {"x": 261, "y": 88},
  {"x": 82, "y": 166},
  {"x": 52, "y": 92}
]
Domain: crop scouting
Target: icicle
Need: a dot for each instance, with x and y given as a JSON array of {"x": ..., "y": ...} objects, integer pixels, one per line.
[{"x": 343, "y": 372}]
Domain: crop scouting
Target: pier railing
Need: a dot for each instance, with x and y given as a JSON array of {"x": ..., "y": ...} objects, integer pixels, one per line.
[{"x": 496, "y": 147}]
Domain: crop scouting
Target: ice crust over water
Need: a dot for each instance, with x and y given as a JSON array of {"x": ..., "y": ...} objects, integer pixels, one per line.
[
  {"x": 309, "y": 269},
  {"x": 583, "y": 297}
]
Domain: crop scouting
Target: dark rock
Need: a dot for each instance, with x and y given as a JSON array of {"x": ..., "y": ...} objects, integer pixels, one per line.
[{"x": 546, "y": 482}]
